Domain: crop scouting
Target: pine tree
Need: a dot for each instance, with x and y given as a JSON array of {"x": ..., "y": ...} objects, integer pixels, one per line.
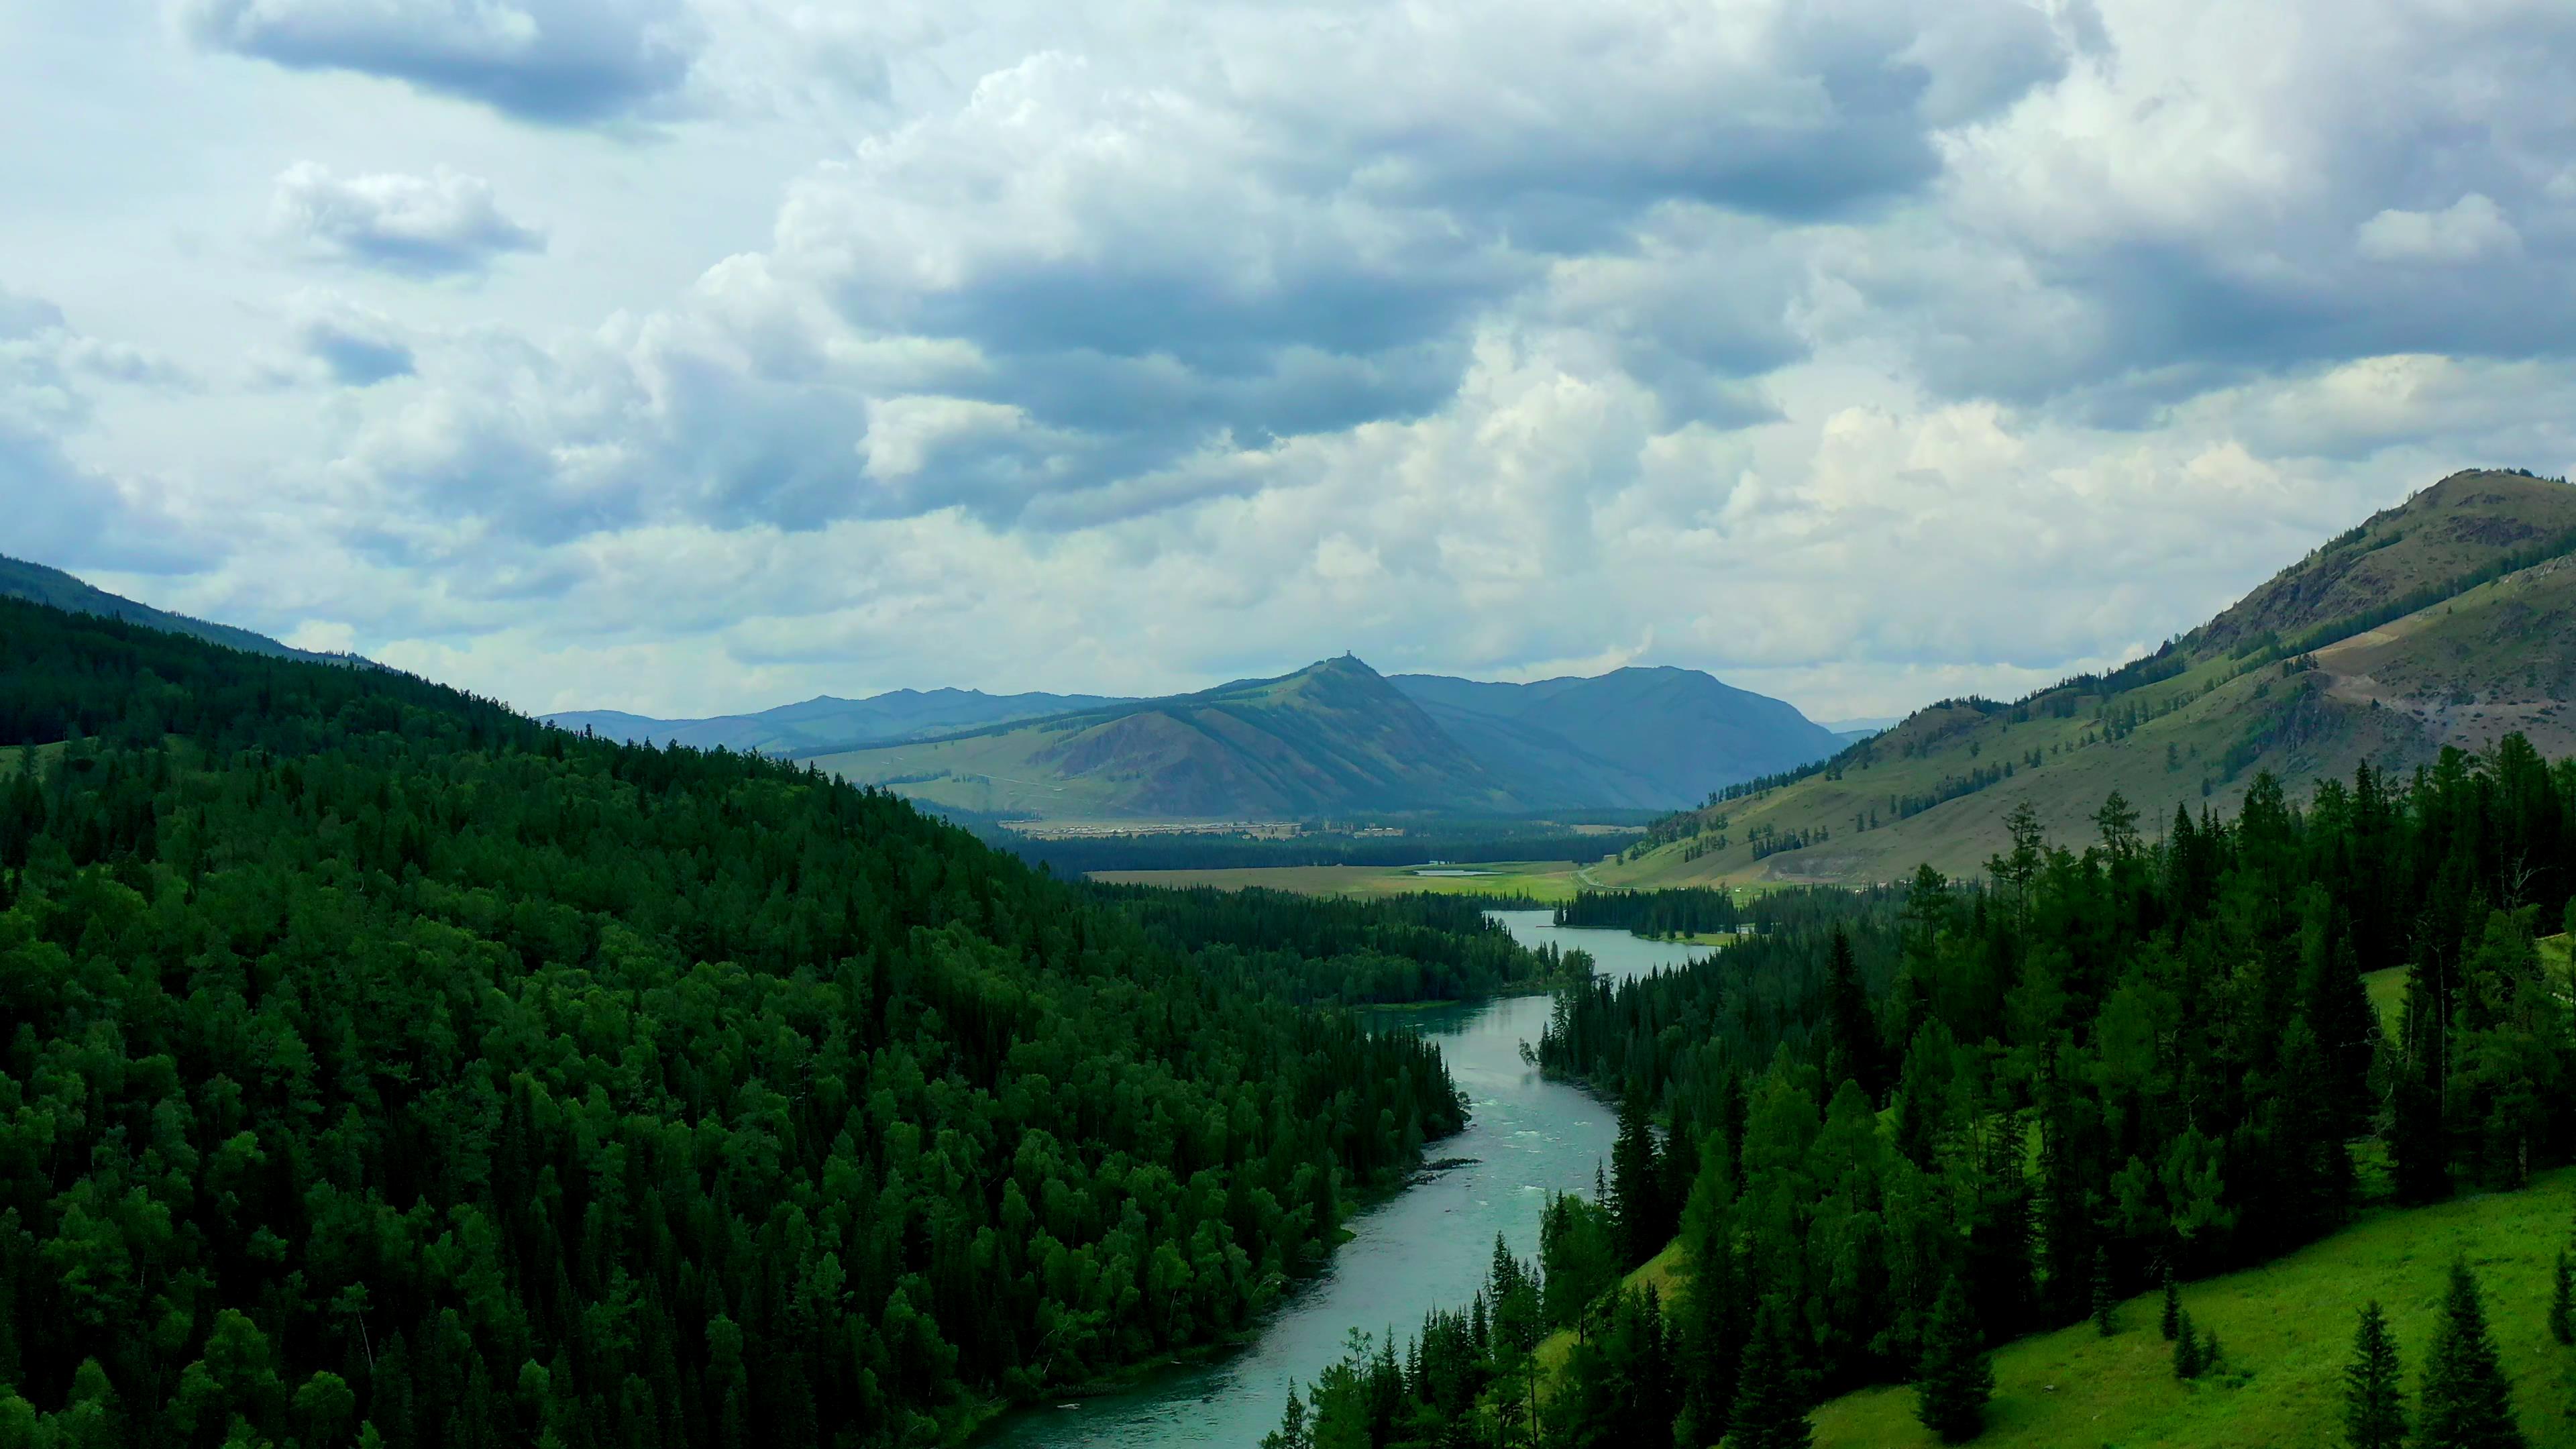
[
  {"x": 2467, "y": 1402},
  {"x": 2186, "y": 1350},
  {"x": 2374, "y": 1409},
  {"x": 2172, "y": 1321},
  {"x": 2106, "y": 1309},
  {"x": 1636, "y": 1189},
  {"x": 1292, "y": 1432},
  {"x": 2213, "y": 1356},
  {"x": 1955, "y": 1378},
  {"x": 2562, "y": 1302},
  {"x": 1770, "y": 1397}
]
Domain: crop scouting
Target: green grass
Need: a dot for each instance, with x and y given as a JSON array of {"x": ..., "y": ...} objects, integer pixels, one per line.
[
  {"x": 2287, "y": 1328},
  {"x": 2558, "y": 953},
  {"x": 16, "y": 759},
  {"x": 2387, "y": 992},
  {"x": 1658, "y": 1270},
  {"x": 1540, "y": 880}
]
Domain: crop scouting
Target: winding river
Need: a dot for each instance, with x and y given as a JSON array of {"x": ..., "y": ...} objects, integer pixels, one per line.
[{"x": 1425, "y": 1248}]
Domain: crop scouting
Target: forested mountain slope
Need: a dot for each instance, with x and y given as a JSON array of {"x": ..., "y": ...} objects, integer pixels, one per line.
[
  {"x": 1642, "y": 738},
  {"x": 1332, "y": 739},
  {"x": 384, "y": 1067},
  {"x": 1909, "y": 1119},
  {"x": 39, "y": 584},
  {"x": 2444, "y": 621},
  {"x": 825, "y": 722}
]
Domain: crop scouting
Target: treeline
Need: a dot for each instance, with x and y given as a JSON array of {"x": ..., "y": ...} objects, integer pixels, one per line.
[
  {"x": 386, "y": 1069},
  {"x": 1076, "y": 858},
  {"x": 1688, "y": 911},
  {"x": 1795, "y": 910},
  {"x": 1421, "y": 947},
  {"x": 1965, "y": 1113}
]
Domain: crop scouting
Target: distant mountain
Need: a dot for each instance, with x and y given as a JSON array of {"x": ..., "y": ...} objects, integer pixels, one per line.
[
  {"x": 1861, "y": 727},
  {"x": 823, "y": 722},
  {"x": 1334, "y": 738},
  {"x": 1642, "y": 738},
  {"x": 39, "y": 584},
  {"x": 2442, "y": 622}
]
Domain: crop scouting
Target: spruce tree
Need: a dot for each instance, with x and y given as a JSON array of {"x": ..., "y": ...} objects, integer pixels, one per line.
[
  {"x": 2106, "y": 1309},
  {"x": 1955, "y": 1378},
  {"x": 2186, "y": 1350},
  {"x": 2172, "y": 1321},
  {"x": 1770, "y": 1397},
  {"x": 2374, "y": 1409},
  {"x": 2467, "y": 1403},
  {"x": 1636, "y": 1188},
  {"x": 1292, "y": 1432},
  {"x": 2562, "y": 1302}
]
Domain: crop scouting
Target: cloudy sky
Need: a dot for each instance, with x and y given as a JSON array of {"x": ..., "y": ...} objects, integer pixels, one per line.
[{"x": 698, "y": 355}]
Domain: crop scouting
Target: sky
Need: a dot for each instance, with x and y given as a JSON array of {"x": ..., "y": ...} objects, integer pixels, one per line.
[{"x": 695, "y": 356}]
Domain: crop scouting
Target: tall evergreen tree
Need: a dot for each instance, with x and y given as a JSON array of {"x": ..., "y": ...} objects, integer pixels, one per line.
[
  {"x": 1636, "y": 1187},
  {"x": 1771, "y": 1393},
  {"x": 2467, "y": 1401},
  {"x": 1292, "y": 1432},
  {"x": 2562, "y": 1301},
  {"x": 2187, "y": 1362},
  {"x": 1955, "y": 1377},
  {"x": 2170, "y": 1323},
  {"x": 1852, "y": 1048},
  {"x": 2374, "y": 1409},
  {"x": 2106, "y": 1307}
]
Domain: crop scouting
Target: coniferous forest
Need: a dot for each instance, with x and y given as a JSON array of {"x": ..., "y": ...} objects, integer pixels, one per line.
[
  {"x": 1919, "y": 1122},
  {"x": 384, "y": 1068}
]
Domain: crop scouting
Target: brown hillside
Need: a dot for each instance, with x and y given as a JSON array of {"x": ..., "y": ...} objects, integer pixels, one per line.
[
  {"x": 2449, "y": 530},
  {"x": 2308, "y": 676}
]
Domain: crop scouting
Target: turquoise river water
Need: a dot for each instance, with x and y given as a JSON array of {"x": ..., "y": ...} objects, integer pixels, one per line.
[{"x": 1425, "y": 1248}]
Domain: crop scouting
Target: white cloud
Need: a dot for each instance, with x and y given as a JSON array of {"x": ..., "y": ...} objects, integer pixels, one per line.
[
  {"x": 2468, "y": 229},
  {"x": 436, "y": 225},
  {"x": 555, "y": 62},
  {"x": 1865, "y": 352}
]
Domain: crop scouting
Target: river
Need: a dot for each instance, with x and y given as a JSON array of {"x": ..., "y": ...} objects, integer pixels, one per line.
[{"x": 1425, "y": 1248}]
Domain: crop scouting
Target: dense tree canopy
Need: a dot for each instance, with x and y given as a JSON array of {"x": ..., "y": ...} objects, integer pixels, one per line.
[
  {"x": 384, "y": 1067},
  {"x": 2037, "y": 1093}
]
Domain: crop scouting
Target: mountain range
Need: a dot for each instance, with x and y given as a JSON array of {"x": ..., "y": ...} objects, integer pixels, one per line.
[
  {"x": 2448, "y": 621},
  {"x": 1335, "y": 738},
  {"x": 1339, "y": 739},
  {"x": 824, "y": 722}
]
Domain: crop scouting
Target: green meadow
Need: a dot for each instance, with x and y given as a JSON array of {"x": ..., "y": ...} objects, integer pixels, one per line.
[{"x": 2287, "y": 1328}]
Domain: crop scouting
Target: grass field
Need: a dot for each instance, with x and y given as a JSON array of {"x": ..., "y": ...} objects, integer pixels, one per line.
[
  {"x": 1541, "y": 880},
  {"x": 2287, "y": 1329},
  {"x": 1658, "y": 1270},
  {"x": 13, "y": 760}
]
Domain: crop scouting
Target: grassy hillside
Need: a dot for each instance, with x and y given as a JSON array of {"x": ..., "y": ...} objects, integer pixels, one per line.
[
  {"x": 55, "y": 589},
  {"x": 2287, "y": 1328},
  {"x": 2288, "y": 680},
  {"x": 1333, "y": 738}
]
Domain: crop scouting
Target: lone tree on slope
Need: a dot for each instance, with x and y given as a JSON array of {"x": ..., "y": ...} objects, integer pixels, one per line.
[
  {"x": 2374, "y": 1408},
  {"x": 1956, "y": 1377},
  {"x": 2467, "y": 1403}
]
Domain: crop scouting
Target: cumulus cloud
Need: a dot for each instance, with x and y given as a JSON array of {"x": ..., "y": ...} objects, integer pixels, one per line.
[
  {"x": 339, "y": 343},
  {"x": 442, "y": 224},
  {"x": 551, "y": 62},
  {"x": 1116, "y": 347},
  {"x": 58, "y": 508},
  {"x": 2468, "y": 229}
]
